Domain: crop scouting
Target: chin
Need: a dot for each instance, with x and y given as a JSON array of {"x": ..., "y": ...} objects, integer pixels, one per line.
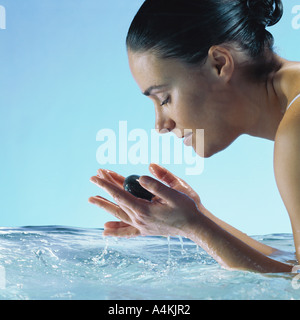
[
  {"x": 204, "y": 153},
  {"x": 206, "y": 148},
  {"x": 207, "y": 154},
  {"x": 208, "y": 151}
]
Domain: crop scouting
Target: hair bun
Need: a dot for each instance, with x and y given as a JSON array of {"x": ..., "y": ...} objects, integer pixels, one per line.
[{"x": 266, "y": 12}]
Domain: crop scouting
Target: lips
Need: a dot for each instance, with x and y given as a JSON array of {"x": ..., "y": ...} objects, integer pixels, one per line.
[{"x": 188, "y": 139}]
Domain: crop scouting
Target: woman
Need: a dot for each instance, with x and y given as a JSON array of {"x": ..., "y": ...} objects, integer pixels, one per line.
[{"x": 209, "y": 64}]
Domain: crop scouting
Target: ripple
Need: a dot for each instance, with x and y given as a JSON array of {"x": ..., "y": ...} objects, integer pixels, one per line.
[{"x": 59, "y": 262}]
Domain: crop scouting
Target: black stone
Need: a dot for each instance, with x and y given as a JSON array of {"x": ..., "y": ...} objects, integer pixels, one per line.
[{"x": 132, "y": 185}]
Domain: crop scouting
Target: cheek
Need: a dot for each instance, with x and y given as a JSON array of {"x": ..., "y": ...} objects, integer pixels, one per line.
[{"x": 188, "y": 110}]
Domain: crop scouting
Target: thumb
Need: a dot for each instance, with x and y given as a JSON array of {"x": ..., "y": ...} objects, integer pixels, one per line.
[{"x": 157, "y": 188}]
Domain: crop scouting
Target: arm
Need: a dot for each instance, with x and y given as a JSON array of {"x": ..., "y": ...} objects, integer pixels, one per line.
[
  {"x": 260, "y": 247},
  {"x": 230, "y": 251},
  {"x": 287, "y": 168}
]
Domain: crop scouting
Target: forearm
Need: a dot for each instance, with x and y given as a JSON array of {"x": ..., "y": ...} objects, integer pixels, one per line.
[
  {"x": 264, "y": 249},
  {"x": 228, "y": 250}
]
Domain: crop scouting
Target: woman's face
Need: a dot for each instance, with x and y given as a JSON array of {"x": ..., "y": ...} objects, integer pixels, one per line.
[{"x": 187, "y": 98}]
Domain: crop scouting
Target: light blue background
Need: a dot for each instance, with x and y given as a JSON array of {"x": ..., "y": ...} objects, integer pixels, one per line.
[{"x": 63, "y": 77}]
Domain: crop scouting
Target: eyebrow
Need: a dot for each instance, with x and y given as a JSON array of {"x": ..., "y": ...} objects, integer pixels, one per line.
[{"x": 149, "y": 90}]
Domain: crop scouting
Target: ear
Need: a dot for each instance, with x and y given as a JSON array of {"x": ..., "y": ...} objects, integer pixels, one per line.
[{"x": 222, "y": 62}]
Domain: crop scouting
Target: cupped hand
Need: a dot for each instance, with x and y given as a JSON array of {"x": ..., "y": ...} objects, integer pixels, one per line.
[{"x": 133, "y": 211}]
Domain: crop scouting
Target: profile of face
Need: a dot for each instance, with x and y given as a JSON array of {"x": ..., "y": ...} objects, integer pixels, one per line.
[{"x": 191, "y": 97}]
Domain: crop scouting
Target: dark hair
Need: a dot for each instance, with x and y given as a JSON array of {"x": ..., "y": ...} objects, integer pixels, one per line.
[{"x": 186, "y": 29}]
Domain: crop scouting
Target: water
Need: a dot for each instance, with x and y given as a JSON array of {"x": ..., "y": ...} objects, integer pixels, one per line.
[{"x": 54, "y": 262}]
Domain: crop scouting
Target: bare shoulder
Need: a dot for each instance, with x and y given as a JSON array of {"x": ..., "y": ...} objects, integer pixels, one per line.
[
  {"x": 288, "y": 80},
  {"x": 289, "y": 128}
]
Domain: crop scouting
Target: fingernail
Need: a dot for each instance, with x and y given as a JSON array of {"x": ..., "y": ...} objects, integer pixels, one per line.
[
  {"x": 94, "y": 180},
  {"x": 100, "y": 173},
  {"x": 151, "y": 168}
]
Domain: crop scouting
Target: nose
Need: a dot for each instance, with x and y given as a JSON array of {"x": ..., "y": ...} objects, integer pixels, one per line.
[{"x": 163, "y": 123}]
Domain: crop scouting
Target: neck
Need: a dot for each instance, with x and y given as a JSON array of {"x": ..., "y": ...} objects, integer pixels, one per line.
[{"x": 264, "y": 107}]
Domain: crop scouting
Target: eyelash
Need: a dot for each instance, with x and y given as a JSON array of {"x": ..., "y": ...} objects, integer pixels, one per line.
[{"x": 165, "y": 102}]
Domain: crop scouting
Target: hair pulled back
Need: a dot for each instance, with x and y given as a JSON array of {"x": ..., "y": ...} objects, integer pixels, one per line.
[{"x": 186, "y": 29}]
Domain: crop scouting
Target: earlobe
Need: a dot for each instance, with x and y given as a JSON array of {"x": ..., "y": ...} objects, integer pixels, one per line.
[{"x": 222, "y": 61}]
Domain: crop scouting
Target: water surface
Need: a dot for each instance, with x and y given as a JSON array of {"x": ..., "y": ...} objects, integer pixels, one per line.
[{"x": 56, "y": 262}]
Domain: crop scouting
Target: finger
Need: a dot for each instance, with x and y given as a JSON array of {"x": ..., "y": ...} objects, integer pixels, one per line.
[
  {"x": 173, "y": 181},
  {"x": 159, "y": 189},
  {"x": 115, "y": 225},
  {"x": 122, "y": 197},
  {"x": 112, "y": 176},
  {"x": 166, "y": 176},
  {"x": 117, "y": 177},
  {"x": 103, "y": 174},
  {"x": 111, "y": 208},
  {"x": 126, "y": 232},
  {"x": 120, "y": 207}
]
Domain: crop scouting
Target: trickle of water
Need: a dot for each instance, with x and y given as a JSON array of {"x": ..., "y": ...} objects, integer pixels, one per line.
[
  {"x": 101, "y": 259},
  {"x": 169, "y": 250},
  {"x": 181, "y": 243}
]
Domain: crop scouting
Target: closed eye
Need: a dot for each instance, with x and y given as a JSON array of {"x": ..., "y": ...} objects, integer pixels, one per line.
[{"x": 165, "y": 102}]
